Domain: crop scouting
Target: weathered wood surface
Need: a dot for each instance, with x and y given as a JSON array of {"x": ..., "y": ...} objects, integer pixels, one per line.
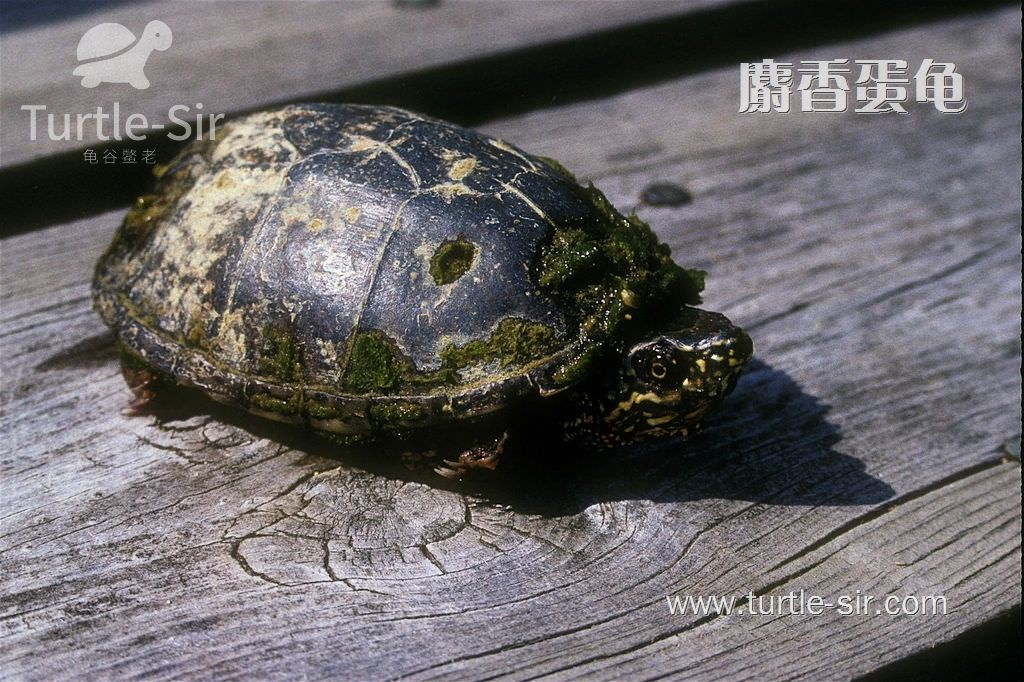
[
  {"x": 876, "y": 262},
  {"x": 233, "y": 56}
]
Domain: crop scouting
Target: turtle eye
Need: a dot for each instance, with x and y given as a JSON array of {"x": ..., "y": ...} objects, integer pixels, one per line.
[{"x": 656, "y": 364}]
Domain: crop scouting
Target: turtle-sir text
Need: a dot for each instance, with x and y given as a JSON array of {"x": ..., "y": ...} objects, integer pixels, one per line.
[{"x": 103, "y": 126}]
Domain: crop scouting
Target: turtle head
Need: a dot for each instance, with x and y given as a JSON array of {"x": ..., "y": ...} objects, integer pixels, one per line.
[
  {"x": 158, "y": 35},
  {"x": 667, "y": 382}
]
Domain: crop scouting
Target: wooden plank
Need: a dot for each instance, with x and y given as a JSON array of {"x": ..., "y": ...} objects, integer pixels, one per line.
[
  {"x": 876, "y": 261},
  {"x": 958, "y": 540},
  {"x": 234, "y": 56},
  {"x": 469, "y": 90}
]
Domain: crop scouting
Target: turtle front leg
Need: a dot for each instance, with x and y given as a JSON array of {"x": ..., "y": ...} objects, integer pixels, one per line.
[
  {"x": 143, "y": 381},
  {"x": 484, "y": 456}
]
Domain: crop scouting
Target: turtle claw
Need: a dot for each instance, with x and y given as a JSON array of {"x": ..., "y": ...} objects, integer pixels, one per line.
[
  {"x": 136, "y": 407},
  {"x": 453, "y": 471},
  {"x": 477, "y": 457},
  {"x": 144, "y": 396}
]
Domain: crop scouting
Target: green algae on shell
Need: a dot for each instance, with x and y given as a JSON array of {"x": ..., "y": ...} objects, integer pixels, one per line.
[
  {"x": 514, "y": 342},
  {"x": 396, "y": 414},
  {"x": 270, "y": 403},
  {"x": 282, "y": 358},
  {"x": 607, "y": 273},
  {"x": 451, "y": 260},
  {"x": 377, "y": 365}
]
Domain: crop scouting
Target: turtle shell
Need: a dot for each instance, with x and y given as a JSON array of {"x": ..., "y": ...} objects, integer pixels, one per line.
[
  {"x": 365, "y": 267},
  {"x": 104, "y": 40}
]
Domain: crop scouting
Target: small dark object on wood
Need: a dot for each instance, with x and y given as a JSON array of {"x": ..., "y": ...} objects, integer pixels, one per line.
[{"x": 665, "y": 194}]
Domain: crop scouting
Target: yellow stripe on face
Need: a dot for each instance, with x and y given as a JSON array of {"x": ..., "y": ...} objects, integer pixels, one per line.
[{"x": 637, "y": 397}]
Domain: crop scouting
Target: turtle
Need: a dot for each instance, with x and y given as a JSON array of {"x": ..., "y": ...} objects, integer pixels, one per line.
[
  {"x": 380, "y": 275},
  {"x": 110, "y": 53}
]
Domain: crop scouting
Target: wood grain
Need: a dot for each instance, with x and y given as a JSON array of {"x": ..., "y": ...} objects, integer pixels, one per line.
[{"x": 876, "y": 262}]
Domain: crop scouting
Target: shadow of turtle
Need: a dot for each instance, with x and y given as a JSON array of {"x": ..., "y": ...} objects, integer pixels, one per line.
[{"x": 771, "y": 443}]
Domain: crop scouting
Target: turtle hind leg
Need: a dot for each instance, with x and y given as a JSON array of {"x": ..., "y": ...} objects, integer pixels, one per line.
[{"x": 484, "y": 456}]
